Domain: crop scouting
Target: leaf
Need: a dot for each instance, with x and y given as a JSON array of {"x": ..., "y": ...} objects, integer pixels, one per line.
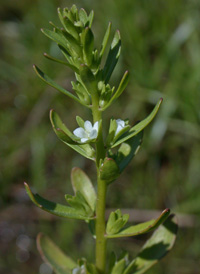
[
  {"x": 113, "y": 57},
  {"x": 82, "y": 183},
  {"x": 121, "y": 88},
  {"x": 109, "y": 170},
  {"x": 56, "y": 37},
  {"x": 65, "y": 136},
  {"x": 83, "y": 16},
  {"x": 88, "y": 80},
  {"x": 54, "y": 208},
  {"x": 143, "y": 227},
  {"x": 52, "y": 254},
  {"x": 50, "y": 82},
  {"x": 116, "y": 222},
  {"x": 105, "y": 40},
  {"x": 90, "y": 18},
  {"x": 61, "y": 62},
  {"x": 160, "y": 243},
  {"x": 68, "y": 25},
  {"x": 138, "y": 127},
  {"x": 88, "y": 45},
  {"x": 119, "y": 267},
  {"x": 128, "y": 150},
  {"x": 79, "y": 203}
]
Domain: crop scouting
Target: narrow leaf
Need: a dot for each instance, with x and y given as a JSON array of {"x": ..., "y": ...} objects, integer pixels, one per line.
[
  {"x": 105, "y": 40},
  {"x": 113, "y": 57},
  {"x": 88, "y": 45},
  {"x": 143, "y": 227},
  {"x": 121, "y": 88},
  {"x": 65, "y": 136},
  {"x": 82, "y": 183},
  {"x": 56, "y": 37},
  {"x": 61, "y": 62},
  {"x": 54, "y": 208},
  {"x": 160, "y": 243},
  {"x": 52, "y": 254},
  {"x": 50, "y": 82},
  {"x": 138, "y": 127},
  {"x": 88, "y": 80}
]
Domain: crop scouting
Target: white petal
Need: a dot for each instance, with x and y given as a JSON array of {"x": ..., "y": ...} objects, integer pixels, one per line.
[
  {"x": 93, "y": 134},
  {"x": 80, "y": 132},
  {"x": 96, "y": 126},
  {"x": 120, "y": 123},
  {"x": 83, "y": 140},
  {"x": 88, "y": 126}
]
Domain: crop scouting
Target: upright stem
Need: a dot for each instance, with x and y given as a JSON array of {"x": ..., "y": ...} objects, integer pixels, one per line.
[{"x": 101, "y": 200}]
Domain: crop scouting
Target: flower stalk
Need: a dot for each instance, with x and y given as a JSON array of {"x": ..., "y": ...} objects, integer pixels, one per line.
[{"x": 93, "y": 91}]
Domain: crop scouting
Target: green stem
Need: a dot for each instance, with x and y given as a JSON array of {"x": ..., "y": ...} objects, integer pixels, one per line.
[{"x": 101, "y": 199}]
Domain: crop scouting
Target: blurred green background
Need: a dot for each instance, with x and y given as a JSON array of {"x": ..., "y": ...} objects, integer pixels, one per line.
[{"x": 161, "y": 49}]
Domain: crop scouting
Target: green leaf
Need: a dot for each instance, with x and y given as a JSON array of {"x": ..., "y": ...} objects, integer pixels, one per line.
[
  {"x": 128, "y": 150},
  {"x": 113, "y": 57},
  {"x": 56, "y": 37},
  {"x": 121, "y": 88},
  {"x": 65, "y": 136},
  {"x": 116, "y": 222},
  {"x": 160, "y": 243},
  {"x": 83, "y": 16},
  {"x": 88, "y": 45},
  {"x": 105, "y": 40},
  {"x": 72, "y": 45},
  {"x": 80, "y": 121},
  {"x": 109, "y": 170},
  {"x": 90, "y": 18},
  {"x": 119, "y": 267},
  {"x": 138, "y": 127},
  {"x": 61, "y": 62},
  {"x": 79, "y": 203},
  {"x": 54, "y": 208},
  {"x": 52, "y": 254},
  {"x": 50, "y": 82},
  {"x": 68, "y": 25},
  {"x": 88, "y": 80},
  {"x": 82, "y": 183},
  {"x": 143, "y": 227}
]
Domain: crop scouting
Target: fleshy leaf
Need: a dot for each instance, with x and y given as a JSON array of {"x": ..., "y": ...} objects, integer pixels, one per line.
[
  {"x": 121, "y": 88},
  {"x": 65, "y": 136},
  {"x": 109, "y": 170},
  {"x": 82, "y": 183},
  {"x": 128, "y": 150},
  {"x": 51, "y": 253},
  {"x": 160, "y": 243},
  {"x": 54, "y": 208},
  {"x": 138, "y": 127},
  {"x": 143, "y": 227},
  {"x": 113, "y": 57},
  {"x": 53, "y": 84}
]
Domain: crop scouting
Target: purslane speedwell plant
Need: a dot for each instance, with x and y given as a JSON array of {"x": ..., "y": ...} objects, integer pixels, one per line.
[{"x": 93, "y": 91}]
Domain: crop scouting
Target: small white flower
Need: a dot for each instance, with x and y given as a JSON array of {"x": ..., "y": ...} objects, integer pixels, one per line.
[
  {"x": 89, "y": 132},
  {"x": 120, "y": 126}
]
